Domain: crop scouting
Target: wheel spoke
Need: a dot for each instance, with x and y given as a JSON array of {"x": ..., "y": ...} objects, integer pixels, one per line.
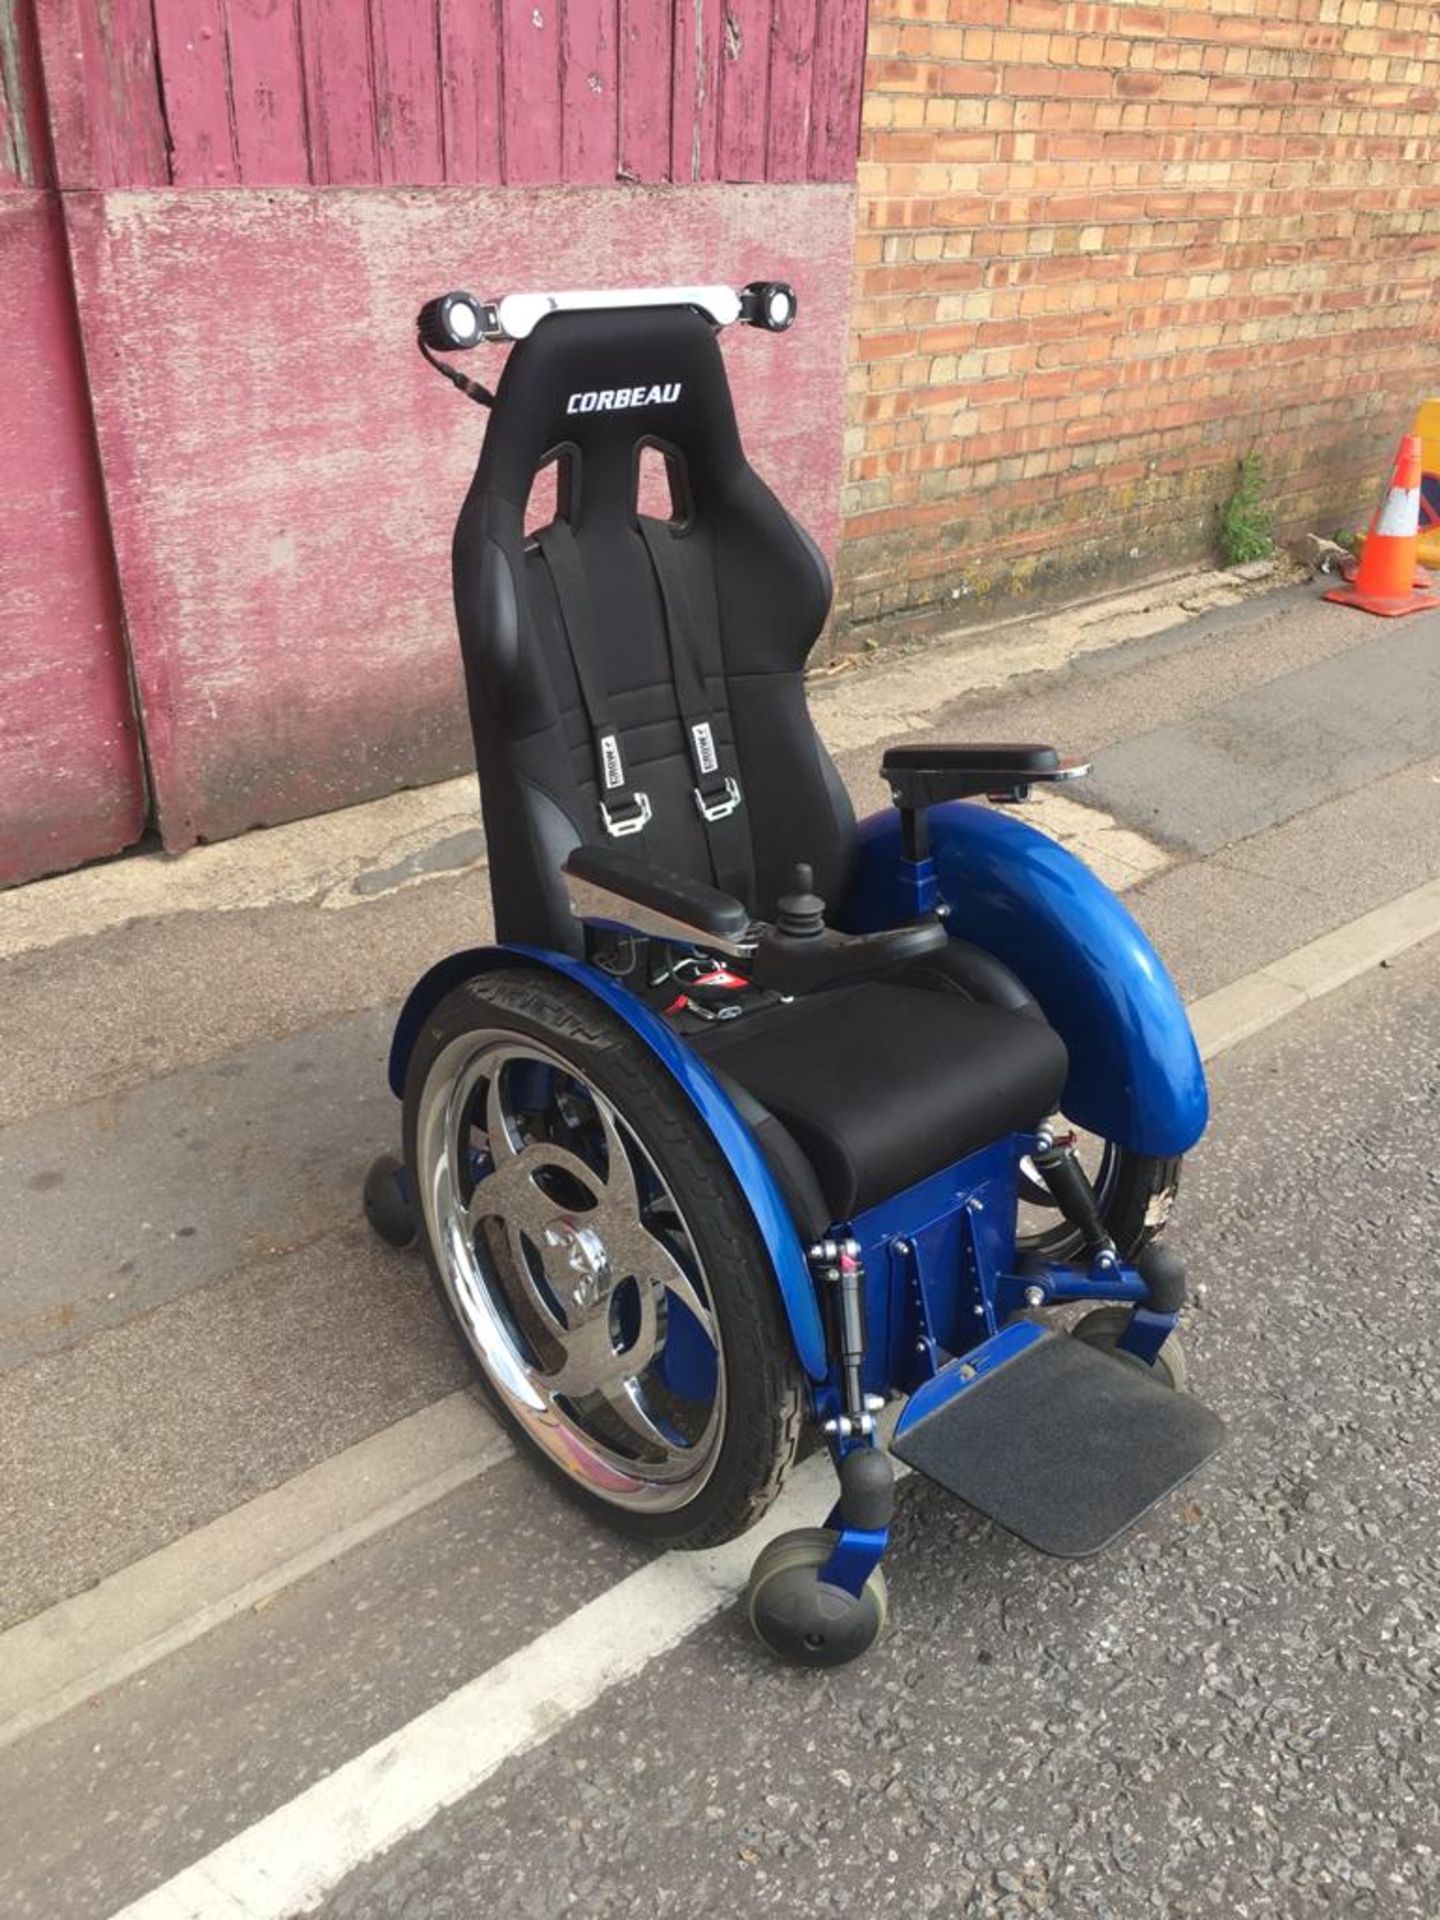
[
  {"x": 564, "y": 1262},
  {"x": 512, "y": 1190},
  {"x": 624, "y": 1397},
  {"x": 671, "y": 1277},
  {"x": 525, "y": 1280},
  {"x": 620, "y": 1188},
  {"x": 590, "y": 1359},
  {"x": 497, "y": 1125}
]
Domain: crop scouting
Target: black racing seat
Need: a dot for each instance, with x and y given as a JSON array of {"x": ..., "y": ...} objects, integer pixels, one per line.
[{"x": 640, "y": 682}]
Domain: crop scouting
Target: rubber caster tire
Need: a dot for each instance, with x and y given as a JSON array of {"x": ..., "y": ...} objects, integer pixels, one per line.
[
  {"x": 388, "y": 1205},
  {"x": 1102, "y": 1329},
  {"x": 803, "y": 1621}
]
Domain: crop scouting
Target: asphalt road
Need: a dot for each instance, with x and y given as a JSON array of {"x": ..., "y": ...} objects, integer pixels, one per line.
[{"x": 1233, "y": 1712}]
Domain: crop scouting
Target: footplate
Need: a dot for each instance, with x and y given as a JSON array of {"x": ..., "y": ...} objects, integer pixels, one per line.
[{"x": 1057, "y": 1442}]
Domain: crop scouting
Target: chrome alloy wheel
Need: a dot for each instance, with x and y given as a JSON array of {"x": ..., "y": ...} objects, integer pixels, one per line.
[{"x": 571, "y": 1270}]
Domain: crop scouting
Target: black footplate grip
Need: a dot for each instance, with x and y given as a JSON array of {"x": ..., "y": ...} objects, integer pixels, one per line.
[{"x": 1064, "y": 1446}]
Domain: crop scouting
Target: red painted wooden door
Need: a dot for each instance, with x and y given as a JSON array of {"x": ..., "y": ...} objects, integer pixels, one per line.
[{"x": 71, "y": 785}]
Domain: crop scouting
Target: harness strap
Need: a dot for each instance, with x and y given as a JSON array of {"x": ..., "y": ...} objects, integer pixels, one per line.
[
  {"x": 623, "y": 811},
  {"x": 695, "y": 657}
]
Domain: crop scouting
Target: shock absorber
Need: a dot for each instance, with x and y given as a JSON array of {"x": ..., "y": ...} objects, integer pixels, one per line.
[
  {"x": 837, "y": 1264},
  {"x": 867, "y": 1479},
  {"x": 1055, "y": 1162}
]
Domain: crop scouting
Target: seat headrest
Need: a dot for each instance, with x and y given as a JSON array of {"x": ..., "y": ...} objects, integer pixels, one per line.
[{"x": 602, "y": 383}]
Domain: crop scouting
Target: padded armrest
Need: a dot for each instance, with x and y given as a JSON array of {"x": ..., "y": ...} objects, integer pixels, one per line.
[
  {"x": 921, "y": 776},
  {"x": 608, "y": 884}
]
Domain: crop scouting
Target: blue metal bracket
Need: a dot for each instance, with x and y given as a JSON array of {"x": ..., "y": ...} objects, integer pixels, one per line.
[
  {"x": 1147, "y": 1334},
  {"x": 855, "y": 1556},
  {"x": 1066, "y": 1287},
  {"x": 920, "y": 886},
  {"x": 957, "y": 1376}
]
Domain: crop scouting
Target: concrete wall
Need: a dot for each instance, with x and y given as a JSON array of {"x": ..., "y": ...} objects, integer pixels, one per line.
[{"x": 1104, "y": 250}]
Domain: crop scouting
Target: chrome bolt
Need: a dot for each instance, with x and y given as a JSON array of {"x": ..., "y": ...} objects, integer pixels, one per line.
[
  {"x": 902, "y": 1247},
  {"x": 1034, "y": 1296}
]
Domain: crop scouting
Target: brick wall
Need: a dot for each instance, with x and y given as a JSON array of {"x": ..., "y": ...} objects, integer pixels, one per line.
[{"x": 1104, "y": 250}]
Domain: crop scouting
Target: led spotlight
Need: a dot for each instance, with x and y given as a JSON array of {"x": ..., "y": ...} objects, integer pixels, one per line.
[
  {"x": 769, "y": 304},
  {"x": 453, "y": 321}
]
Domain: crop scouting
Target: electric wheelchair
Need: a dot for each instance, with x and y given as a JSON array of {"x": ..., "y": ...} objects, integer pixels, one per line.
[{"x": 739, "y": 1125}]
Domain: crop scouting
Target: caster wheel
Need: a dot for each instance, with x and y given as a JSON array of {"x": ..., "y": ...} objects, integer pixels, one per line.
[
  {"x": 388, "y": 1205},
  {"x": 799, "y": 1619},
  {"x": 1103, "y": 1327}
]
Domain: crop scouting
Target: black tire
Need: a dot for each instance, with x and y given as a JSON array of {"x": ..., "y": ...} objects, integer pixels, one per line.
[
  {"x": 802, "y": 1622},
  {"x": 764, "y": 1400},
  {"x": 1135, "y": 1192}
]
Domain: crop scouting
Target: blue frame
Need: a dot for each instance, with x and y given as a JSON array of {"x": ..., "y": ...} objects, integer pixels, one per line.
[
  {"x": 695, "y": 1081},
  {"x": 939, "y": 1257},
  {"x": 1135, "y": 1071}
]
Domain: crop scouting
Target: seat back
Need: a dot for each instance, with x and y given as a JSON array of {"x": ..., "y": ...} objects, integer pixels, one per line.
[{"x": 589, "y": 391}]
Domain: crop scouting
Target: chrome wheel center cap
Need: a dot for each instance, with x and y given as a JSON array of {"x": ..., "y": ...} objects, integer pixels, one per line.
[{"x": 580, "y": 1253}]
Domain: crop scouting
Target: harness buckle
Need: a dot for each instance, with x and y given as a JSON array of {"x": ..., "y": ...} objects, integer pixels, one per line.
[
  {"x": 621, "y": 824},
  {"x": 718, "y": 809}
]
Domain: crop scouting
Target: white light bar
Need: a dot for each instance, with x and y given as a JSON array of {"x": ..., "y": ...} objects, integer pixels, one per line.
[{"x": 516, "y": 316}]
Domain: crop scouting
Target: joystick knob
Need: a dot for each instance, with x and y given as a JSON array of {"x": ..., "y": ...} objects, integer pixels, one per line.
[{"x": 800, "y": 914}]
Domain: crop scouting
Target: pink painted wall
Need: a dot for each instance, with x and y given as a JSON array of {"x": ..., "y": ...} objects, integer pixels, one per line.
[
  {"x": 284, "y": 471},
  {"x": 280, "y": 471},
  {"x": 70, "y": 780},
  {"x": 466, "y": 92}
]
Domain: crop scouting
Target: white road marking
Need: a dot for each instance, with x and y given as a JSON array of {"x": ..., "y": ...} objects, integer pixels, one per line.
[
  {"x": 149, "y": 1610},
  {"x": 287, "y": 1863}
]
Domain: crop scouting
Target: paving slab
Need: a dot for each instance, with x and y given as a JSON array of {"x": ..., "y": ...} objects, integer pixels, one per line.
[
  {"x": 94, "y": 1014},
  {"x": 1217, "y": 919},
  {"x": 101, "y": 1805}
]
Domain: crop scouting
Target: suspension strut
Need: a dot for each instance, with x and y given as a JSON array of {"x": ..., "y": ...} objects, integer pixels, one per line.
[
  {"x": 867, "y": 1478},
  {"x": 1055, "y": 1162},
  {"x": 838, "y": 1265}
]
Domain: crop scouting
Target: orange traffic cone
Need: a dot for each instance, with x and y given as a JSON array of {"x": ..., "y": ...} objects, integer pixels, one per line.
[{"x": 1389, "y": 580}]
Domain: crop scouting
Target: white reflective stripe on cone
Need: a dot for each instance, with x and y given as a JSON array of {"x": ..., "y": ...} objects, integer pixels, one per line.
[{"x": 1401, "y": 513}]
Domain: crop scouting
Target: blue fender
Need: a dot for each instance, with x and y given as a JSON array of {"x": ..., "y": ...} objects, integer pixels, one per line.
[
  {"x": 1135, "y": 1072},
  {"x": 694, "y": 1080}
]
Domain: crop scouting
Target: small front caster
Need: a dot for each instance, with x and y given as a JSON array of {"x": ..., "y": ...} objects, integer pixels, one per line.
[
  {"x": 389, "y": 1202},
  {"x": 802, "y": 1619},
  {"x": 1103, "y": 1327}
]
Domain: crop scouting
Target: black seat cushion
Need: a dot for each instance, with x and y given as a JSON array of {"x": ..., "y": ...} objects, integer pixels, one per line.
[{"x": 881, "y": 1084}]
